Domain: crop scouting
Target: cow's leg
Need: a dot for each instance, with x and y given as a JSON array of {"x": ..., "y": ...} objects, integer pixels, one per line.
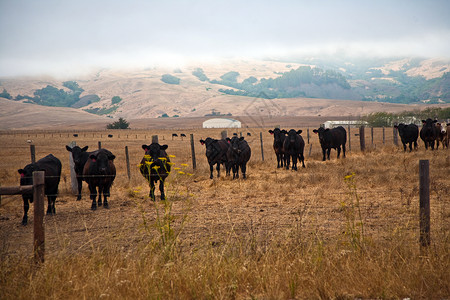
[
  {"x": 324, "y": 151},
  {"x": 106, "y": 194},
  {"x": 51, "y": 205},
  {"x": 244, "y": 170},
  {"x": 328, "y": 153},
  {"x": 279, "y": 160},
  {"x": 404, "y": 146},
  {"x": 338, "y": 149},
  {"x": 152, "y": 190},
  {"x": 218, "y": 170},
  {"x": 80, "y": 184},
  {"x": 93, "y": 193},
  {"x": 287, "y": 161},
  {"x": 26, "y": 207},
  {"x": 100, "y": 193},
  {"x": 302, "y": 159},
  {"x": 161, "y": 189},
  {"x": 236, "y": 171},
  {"x": 343, "y": 150},
  {"x": 294, "y": 162},
  {"x": 211, "y": 171},
  {"x": 415, "y": 145},
  {"x": 432, "y": 145}
]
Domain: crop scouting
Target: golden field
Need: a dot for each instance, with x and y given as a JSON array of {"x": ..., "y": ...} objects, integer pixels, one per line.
[{"x": 340, "y": 229}]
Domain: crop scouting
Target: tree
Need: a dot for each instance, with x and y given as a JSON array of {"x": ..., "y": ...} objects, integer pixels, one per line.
[
  {"x": 170, "y": 79},
  {"x": 115, "y": 100},
  {"x": 120, "y": 124},
  {"x": 5, "y": 94}
]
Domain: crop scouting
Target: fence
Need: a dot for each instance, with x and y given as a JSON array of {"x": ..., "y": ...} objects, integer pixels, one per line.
[{"x": 38, "y": 196}]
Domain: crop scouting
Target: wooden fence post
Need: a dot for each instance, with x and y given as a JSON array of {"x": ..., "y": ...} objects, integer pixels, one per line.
[
  {"x": 223, "y": 134},
  {"x": 349, "y": 139},
  {"x": 384, "y": 136},
  {"x": 155, "y": 139},
  {"x": 194, "y": 162},
  {"x": 73, "y": 174},
  {"x": 362, "y": 138},
  {"x": 262, "y": 147},
  {"x": 371, "y": 134},
  {"x": 33, "y": 153},
  {"x": 424, "y": 193},
  {"x": 39, "y": 232},
  {"x": 307, "y": 134},
  {"x": 127, "y": 157},
  {"x": 395, "y": 136},
  {"x": 99, "y": 145}
]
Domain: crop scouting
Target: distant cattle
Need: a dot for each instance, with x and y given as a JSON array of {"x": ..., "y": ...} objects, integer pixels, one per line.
[
  {"x": 155, "y": 165},
  {"x": 408, "y": 134},
  {"x": 216, "y": 153},
  {"x": 52, "y": 169},
  {"x": 75, "y": 135},
  {"x": 429, "y": 133},
  {"x": 80, "y": 157},
  {"x": 100, "y": 172},
  {"x": 249, "y": 134},
  {"x": 278, "y": 140},
  {"x": 446, "y": 139},
  {"x": 174, "y": 135},
  {"x": 238, "y": 155},
  {"x": 293, "y": 148},
  {"x": 332, "y": 138},
  {"x": 110, "y": 135}
]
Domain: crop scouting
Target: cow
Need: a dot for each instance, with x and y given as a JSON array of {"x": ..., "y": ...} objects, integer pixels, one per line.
[
  {"x": 332, "y": 138},
  {"x": 154, "y": 166},
  {"x": 75, "y": 135},
  {"x": 238, "y": 155},
  {"x": 182, "y": 135},
  {"x": 100, "y": 172},
  {"x": 52, "y": 168},
  {"x": 408, "y": 134},
  {"x": 429, "y": 133},
  {"x": 249, "y": 134},
  {"x": 446, "y": 139},
  {"x": 174, "y": 135},
  {"x": 110, "y": 135},
  {"x": 278, "y": 140},
  {"x": 293, "y": 147},
  {"x": 80, "y": 157},
  {"x": 440, "y": 135},
  {"x": 216, "y": 153}
]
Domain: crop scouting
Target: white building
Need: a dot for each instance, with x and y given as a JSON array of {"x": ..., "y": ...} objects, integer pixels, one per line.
[
  {"x": 333, "y": 124},
  {"x": 221, "y": 123}
]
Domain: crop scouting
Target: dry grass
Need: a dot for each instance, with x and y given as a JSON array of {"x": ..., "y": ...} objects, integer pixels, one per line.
[{"x": 277, "y": 235}]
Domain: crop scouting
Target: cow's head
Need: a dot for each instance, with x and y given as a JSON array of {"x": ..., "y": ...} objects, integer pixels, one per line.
[
  {"x": 100, "y": 161},
  {"x": 155, "y": 150},
  {"x": 321, "y": 132},
  {"x": 26, "y": 178},
  {"x": 428, "y": 122},
  {"x": 278, "y": 135},
  {"x": 76, "y": 153},
  {"x": 234, "y": 143}
]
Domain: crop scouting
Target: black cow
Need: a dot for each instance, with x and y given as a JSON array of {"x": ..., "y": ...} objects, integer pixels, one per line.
[
  {"x": 238, "y": 155},
  {"x": 278, "y": 140},
  {"x": 80, "y": 157},
  {"x": 429, "y": 133},
  {"x": 216, "y": 153},
  {"x": 293, "y": 147},
  {"x": 110, "y": 135},
  {"x": 155, "y": 165},
  {"x": 174, "y": 135},
  {"x": 408, "y": 134},
  {"x": 52, "y": 168},
  {"x": 182, "y": 135},
  {"x": 249, "y": 134},
  {"x": 100, "y": 171},
  {"x": 332, "y": 138}
]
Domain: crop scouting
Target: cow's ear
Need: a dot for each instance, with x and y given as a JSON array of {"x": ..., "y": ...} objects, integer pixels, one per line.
[
  {"x": 111, "y": 156},
  {"x": 448, "y": 124},
  {"x": 315, "y": 131},
  {"x": 21, "y": 172},
  {"x": 241, "y": 138},
  {"x": 163, "y": 147},
  {"x": 299, "y": 131},
  {"x": 396, "y": 126},
  {"x": 93, "y": 157},
  {"x": 202, "y": 142},
  {"x": 284, "y": 131},
  {"x": 228, "y": 140},
  {"x": 423, "y": 122},
  {"x": 145, "y": 147},
  {"x": 434, "y": 121},
  {"x": 271, "y": 131},
  {"x": 84, "y": 149},
  {"x": 68, "y": 148}
]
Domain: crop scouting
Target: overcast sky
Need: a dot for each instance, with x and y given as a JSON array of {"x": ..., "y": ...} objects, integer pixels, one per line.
[{"x": 59, "y": 37}]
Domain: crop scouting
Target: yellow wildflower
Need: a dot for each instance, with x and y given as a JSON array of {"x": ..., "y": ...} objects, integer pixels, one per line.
[
  {"x": 181, "y": 172},
  {"x": 184, "y": 165},
  {"x": 172, "y": 156}
]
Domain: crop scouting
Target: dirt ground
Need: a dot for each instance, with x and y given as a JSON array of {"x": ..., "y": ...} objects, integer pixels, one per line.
[{"x": 270, "y": 203}]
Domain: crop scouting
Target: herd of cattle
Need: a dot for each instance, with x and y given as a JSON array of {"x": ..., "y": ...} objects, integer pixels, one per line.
[{"x": 97, "y": 168}]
